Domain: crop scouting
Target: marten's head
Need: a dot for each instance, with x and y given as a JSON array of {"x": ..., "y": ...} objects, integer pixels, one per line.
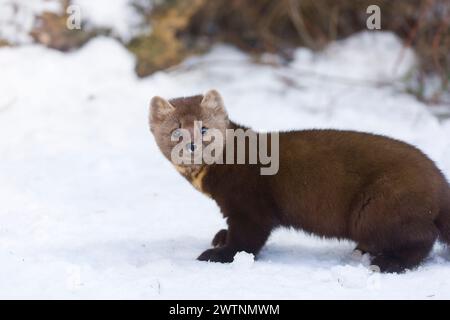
[{"x": 184, "y": 127}]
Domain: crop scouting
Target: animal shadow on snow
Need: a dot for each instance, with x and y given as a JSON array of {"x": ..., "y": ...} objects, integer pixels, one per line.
[
  {"x": 334, "y": 254},
  {"x": 140, "y": 253}
]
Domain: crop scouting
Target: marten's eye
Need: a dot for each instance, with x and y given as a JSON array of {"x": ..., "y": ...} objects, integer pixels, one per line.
[
  {"x": 176, "y": 133},
  {"x": 204, "y": 130}
]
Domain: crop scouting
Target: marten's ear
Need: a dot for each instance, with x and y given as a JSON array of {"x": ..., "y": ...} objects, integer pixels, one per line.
[
  {"x": 159, "y": 108},
  {"x": 213, "y": 100}
]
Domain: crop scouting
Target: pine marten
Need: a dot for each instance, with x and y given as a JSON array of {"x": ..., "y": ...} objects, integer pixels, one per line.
[{"x": 383, "y": 194}]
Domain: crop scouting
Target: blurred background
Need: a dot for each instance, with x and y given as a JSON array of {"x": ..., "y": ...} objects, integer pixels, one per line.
[
  {"x": 162, "y": 33},
  {"x": 89, "y": 208}
]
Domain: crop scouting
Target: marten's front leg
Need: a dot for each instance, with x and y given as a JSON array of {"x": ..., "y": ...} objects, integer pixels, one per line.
[
  {"x": 220, "y": 239},
  {"x": 242, "y": 235}
]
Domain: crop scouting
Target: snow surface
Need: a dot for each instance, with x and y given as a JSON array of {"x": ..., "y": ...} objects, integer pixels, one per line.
[
  {"x": 121, "y": 16},
  {"x": 91, "y": 209}
]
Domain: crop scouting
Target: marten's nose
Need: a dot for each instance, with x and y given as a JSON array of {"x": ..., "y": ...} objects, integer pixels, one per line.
[{"x": 191, "y": 147}]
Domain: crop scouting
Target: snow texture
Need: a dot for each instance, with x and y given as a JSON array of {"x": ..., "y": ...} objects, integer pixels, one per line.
[
  {"x": 120, "y": 17},
  {"x": 91, "y": 209}
]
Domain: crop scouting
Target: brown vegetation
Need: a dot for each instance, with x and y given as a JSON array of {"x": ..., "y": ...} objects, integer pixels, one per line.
[
  {"x": 180, "y": 28},
  {"x": 279, "y": 25},
  {"x": 51, "y": 31},
  {"x": 162, "y": 48}
]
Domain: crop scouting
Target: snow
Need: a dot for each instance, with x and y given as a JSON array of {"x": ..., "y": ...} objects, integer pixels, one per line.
[
  {"x": 392, "y": 60},
  {"x": 121, "y": 17},
  {"x": 91, "y": 209},
  {"x": 243, "y": 260}
]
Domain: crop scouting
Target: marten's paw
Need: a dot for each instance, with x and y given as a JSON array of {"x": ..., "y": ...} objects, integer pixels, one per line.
[
  {"x": 221, "y": 254},
  {"x": 220, "y": 238},
  {"x": 387, "y": 264}
]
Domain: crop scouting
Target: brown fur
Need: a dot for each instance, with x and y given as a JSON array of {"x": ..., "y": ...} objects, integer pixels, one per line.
[{"x": 384, "y": 194}]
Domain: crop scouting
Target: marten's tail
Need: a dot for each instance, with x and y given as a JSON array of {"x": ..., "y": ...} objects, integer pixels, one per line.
[{"x": 443, "y": 220}]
